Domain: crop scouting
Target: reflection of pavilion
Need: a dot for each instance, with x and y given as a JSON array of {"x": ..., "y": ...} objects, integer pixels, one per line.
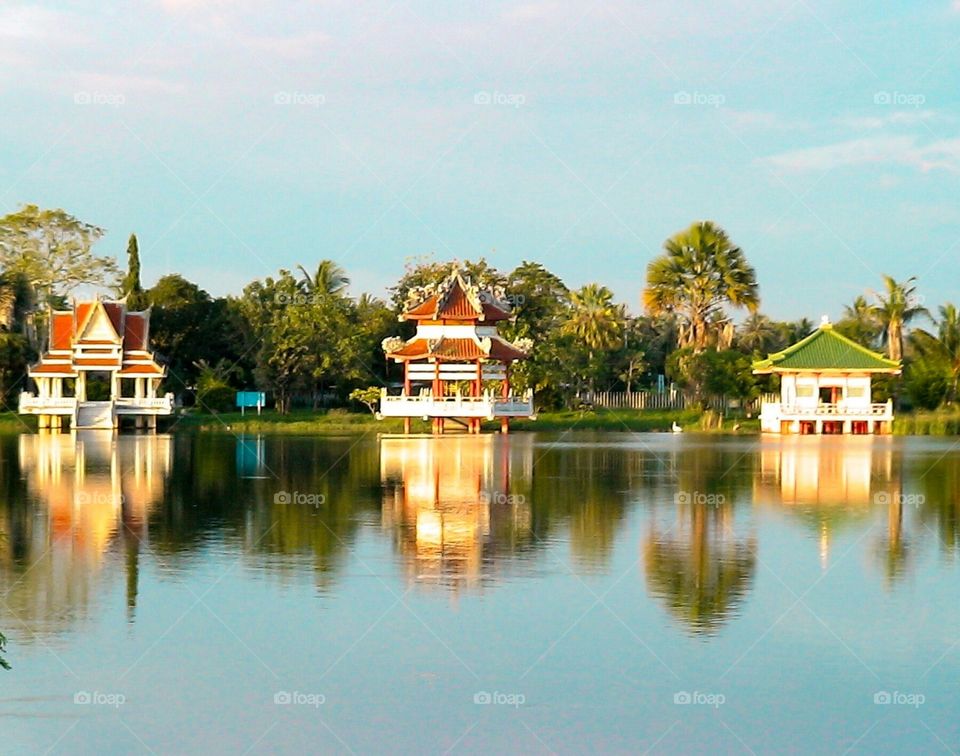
[
  {"x": 96, "y": 489},
  {"x": 828, "y": 482},
  {"x": 452, "y": 502}
]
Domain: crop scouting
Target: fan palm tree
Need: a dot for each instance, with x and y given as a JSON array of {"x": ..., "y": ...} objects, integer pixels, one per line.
[
  {"x": 329, "y": 278},
  {"x": 896, "y": 307},
  {"x": 699, "y": 273}
]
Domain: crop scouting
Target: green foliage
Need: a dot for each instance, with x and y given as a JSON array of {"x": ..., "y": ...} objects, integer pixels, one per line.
[
  {"x": 130, "y": 287},
  {"x": 188, "y": 329},
  {"x": 927, "y": 382},
  {"x": 53, "y": 251},
  {"x": 713, "y": 374},
  {"x": 369, "y": 397},
  {"x": 3, "y": 647}
]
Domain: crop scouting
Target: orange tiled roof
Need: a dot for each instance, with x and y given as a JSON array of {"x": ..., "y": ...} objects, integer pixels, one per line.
[
  {"x": 457, "y": 349},
  {"x": 455, "y": 304}
]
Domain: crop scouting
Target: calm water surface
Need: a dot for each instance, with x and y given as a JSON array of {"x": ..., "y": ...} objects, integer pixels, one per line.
[{"x": 536, "y": 593}]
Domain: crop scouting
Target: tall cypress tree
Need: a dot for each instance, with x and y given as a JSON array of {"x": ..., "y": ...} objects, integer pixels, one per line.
[{"x": 130, "y": 287}]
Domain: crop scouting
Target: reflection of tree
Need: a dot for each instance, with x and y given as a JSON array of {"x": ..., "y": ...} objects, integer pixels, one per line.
[
  {"x": 892, "y": 551},
  {"x": 214, "y": 497},
  {"x": 703, "y": 572},
  {"x": 939, "y": 484}
]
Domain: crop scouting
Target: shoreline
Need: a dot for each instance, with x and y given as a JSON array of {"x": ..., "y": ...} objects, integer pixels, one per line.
[{"x": 340, "y": 422}]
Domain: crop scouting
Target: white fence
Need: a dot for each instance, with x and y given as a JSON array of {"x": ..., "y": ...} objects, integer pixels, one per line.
[{"x": 668, "y": 400}]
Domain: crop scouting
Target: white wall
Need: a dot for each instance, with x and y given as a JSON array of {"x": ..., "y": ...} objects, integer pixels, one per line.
[{"x": 803, "y": 390}]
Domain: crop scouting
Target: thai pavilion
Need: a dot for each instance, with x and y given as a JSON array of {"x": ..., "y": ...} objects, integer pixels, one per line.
[
  {"x": 457, "y": 366},
  {"x": 825, "y": 387},
  {"x": 97, "y": 345}
]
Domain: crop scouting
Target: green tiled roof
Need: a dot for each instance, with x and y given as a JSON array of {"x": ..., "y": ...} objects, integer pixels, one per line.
[{"x": 823, "y": 350}]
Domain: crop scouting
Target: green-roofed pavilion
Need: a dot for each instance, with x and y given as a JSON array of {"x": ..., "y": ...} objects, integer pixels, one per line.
[{"x": 825, "y": 386}]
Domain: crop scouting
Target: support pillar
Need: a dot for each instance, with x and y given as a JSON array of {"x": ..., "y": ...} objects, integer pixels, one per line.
[
  {"x": 406, "y": 426},
  {"x": 152, "y": 423},
  {"x": 818, "y": 427},
  {"x": 504, "y": 425}
]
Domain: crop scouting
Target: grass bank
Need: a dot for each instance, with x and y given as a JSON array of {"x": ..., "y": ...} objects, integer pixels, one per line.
[
  {"x": 944, "y": 422},
  {"x": 340, "y": 422}
]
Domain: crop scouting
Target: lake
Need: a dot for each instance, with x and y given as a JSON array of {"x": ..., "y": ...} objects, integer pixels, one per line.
[{"x": 535, "y": 593}]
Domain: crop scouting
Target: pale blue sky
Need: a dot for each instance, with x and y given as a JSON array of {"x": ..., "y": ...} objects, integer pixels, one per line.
[{"x": 239, "y": 136}]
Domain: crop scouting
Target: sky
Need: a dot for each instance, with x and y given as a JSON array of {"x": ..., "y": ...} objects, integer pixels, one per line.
[{"x": 238, "y": 137}]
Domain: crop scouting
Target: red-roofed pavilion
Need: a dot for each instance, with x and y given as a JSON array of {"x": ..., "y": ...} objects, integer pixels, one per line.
[{"x": 452, "y": 359}]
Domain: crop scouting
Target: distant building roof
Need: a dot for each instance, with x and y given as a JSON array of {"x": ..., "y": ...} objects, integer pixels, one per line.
[{"x": 823, "y": 351}]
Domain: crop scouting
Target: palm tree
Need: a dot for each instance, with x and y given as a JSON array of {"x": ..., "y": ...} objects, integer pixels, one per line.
[
  {"x": 329, "y": 278},
  {"x": 594, "y": 319},
  {"x": 895, "y": 308},
  {"x": 860, "y": 322},
  {"x": 757, "y": 335},
  {"x": 943, "y": 348},
  {"x": 699, "y": 273}
]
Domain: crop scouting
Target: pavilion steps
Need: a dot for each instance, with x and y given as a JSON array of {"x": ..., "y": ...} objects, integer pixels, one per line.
[{"x": 94, "y": 415}]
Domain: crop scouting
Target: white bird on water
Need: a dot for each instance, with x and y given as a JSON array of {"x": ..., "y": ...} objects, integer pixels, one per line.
[{"x": 676, "y": 428}]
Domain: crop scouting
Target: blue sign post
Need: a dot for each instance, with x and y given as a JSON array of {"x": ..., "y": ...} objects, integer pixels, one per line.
[{"x": 251, "y": 399}]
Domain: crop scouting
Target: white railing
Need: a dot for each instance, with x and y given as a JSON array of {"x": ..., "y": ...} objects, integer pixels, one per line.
[
  {"x": 427, "y": 405},
  {"x": 832, "y": 410},
  {"x": 127, "y": 404},
  {"x": 54, "y": 405}
]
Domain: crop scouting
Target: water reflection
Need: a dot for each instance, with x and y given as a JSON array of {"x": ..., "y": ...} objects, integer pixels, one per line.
[
  {"x": 699, "y": 564},
  {"x": 456, "y": 506},
  {"x": 88, "y": 500},
  {"x": 831, "y": 484}
]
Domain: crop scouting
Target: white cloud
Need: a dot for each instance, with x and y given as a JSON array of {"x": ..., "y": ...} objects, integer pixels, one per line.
[{"x": 905, "y": 151}]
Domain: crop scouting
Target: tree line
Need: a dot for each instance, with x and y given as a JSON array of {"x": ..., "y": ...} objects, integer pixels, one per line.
[{"x": 302, "y": 337}]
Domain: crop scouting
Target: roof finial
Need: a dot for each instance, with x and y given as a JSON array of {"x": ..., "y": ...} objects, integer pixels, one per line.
[{"x": 824, "y": 320}]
